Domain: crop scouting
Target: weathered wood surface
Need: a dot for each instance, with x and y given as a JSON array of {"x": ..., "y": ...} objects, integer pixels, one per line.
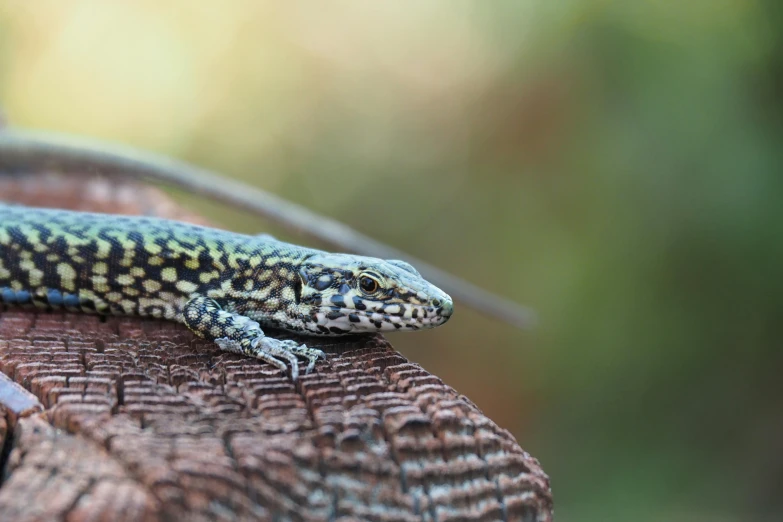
[{"x": 130, "y": 419}]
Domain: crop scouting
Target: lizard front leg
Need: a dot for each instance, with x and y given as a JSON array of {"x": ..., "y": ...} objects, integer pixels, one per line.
[{"x": 239, "y": 334}]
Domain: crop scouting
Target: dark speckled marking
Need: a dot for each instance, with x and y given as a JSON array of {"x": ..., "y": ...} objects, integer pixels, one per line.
[
  {"x": 334, "y": 314},
  {"x": 313, "y": 300},
  {"x": 322, "y": 283}
]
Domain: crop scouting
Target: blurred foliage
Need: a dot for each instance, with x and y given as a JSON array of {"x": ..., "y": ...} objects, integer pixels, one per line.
[{"x": 616, "y": 165}]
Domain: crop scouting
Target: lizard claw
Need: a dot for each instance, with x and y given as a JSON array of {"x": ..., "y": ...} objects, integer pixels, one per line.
[{"x": 275, "y": 351}]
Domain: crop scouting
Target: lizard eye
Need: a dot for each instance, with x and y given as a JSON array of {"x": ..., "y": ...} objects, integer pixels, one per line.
[{"x": 368, "y": 285}]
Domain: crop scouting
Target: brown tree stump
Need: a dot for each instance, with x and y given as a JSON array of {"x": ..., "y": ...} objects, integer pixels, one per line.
[{"x": 124, "y": 419}]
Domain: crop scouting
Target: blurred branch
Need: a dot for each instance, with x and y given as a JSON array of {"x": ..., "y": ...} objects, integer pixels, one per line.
[{"x": 24, "y": 150}]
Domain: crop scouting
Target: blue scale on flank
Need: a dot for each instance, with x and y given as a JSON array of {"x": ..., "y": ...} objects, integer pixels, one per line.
[
  {"x": 15, "y": 296},
  {"x": 57, "y": 298},
  {"x": 53, "y": 297}
]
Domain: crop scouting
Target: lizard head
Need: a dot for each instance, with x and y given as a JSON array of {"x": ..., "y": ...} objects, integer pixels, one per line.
[{"x": 352, "y": 294}]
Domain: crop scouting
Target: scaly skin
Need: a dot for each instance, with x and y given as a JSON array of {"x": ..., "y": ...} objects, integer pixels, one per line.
[{"x": 224, "y": 286}]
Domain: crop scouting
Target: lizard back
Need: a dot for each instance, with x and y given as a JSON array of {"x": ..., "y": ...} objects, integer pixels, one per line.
[{"x": 121, "y": 265}]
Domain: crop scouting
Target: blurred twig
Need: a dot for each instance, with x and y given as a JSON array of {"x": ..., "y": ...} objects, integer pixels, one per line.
[{"x": 24, "y": 150}]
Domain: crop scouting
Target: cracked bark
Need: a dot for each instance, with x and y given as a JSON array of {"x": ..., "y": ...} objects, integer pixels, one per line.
[{"x": 135, "y": 419}]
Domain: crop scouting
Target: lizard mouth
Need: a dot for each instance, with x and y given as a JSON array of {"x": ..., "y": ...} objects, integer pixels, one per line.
[{"x": 387, "y": 318}]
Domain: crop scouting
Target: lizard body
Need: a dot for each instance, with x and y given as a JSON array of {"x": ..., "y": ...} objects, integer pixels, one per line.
[{"x": 224, "y": 286}]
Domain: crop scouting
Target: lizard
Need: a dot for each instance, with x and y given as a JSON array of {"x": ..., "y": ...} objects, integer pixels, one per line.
[{"x": 224, "y": 286}]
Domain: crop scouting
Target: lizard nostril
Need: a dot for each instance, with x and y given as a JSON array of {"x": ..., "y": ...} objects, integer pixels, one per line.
[{"x": 447, "y": 309}]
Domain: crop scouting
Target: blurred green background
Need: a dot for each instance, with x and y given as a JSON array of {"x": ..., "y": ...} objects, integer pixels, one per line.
[{"x": 615, "y": 165}]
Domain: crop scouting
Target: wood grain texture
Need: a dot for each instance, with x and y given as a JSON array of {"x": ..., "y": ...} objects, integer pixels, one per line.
[{"x": 133, "y": 419}]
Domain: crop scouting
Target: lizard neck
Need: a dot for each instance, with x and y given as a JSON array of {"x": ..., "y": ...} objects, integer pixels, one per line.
[{"x": 265, "y": 285}]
